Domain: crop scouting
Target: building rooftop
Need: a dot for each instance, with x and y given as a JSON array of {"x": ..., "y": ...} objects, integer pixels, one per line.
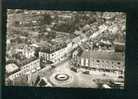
[
  {"x": 117, "y": 56},
  {"x": 21, "y": 62},
  {"x": 119, "y": 43},
  {"x": 105, "y": 57},
  {"x": 11, "y": 68},
  {"x": 53, "y": 47},
  {"x": 26, "y": 61}
]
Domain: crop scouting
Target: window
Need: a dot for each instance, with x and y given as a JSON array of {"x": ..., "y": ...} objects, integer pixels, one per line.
[{"x": 118, "y": 63}]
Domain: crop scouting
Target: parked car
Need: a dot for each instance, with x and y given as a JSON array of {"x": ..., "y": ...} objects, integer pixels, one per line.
[
  {"x": 86, "y": 72},
  {"x": 73, "y": 69}
]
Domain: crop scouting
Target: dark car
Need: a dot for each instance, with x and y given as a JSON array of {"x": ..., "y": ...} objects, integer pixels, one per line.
[
  {"x": 86, "y": 72},
  {"x": 73, "y": 69}
]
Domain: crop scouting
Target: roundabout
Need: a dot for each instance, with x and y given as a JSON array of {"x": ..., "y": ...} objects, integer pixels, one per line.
[{"x": 62, "y": 77}]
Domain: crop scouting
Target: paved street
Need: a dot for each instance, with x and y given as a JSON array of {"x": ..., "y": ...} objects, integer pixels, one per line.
[{"x": 75, "y": 80}]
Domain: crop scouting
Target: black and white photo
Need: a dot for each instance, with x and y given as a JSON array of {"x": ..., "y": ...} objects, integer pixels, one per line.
[{"x": 73, "y": 49}]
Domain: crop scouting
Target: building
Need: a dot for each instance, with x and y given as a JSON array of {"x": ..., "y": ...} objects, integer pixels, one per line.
[
  {"x": 77, "y": 41},
  {"x": 59, "y": 51},
  {"x": 26, "y": 67},
  {"x": 119, "y": 42},
  {"x": 119, "y": 47},
  {"x": 11, "y": 68},
  {"x": 53, "y": 54},
  {"x": 27, "y": 51},
  {"x": 99, "y": 62}
]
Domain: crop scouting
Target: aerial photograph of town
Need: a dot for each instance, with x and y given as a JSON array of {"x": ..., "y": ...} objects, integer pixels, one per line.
[{"x": 66, "y": 49}]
